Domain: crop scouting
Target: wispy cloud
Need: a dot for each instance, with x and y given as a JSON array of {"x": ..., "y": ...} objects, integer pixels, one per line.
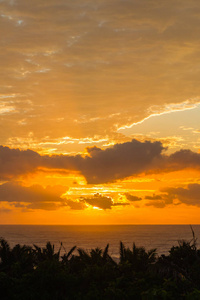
[{"x": 117, "y": 63}]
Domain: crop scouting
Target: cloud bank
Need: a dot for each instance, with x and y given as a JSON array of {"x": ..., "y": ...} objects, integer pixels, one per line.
[
  {"x": 117, "y": 162},
  {"x": 97, "y": 166},
  {"x": 33, "y": 197},
  {"x": 189, "y": 195},
  {"x": 100, "y": 165},
  {"x": 61, "y": 55}
]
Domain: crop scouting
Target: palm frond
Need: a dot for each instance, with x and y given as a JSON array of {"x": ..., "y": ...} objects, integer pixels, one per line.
[{"x": 105, "y": 252}]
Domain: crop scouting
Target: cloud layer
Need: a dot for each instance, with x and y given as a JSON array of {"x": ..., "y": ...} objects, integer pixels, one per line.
[
  {"x": 97, "y": 166},
  {"x": 117, "y": 162},
  {"x": 100, "y": 165},
  {"x": 189, "y": 195},
  {"x": 33, "y": 197},
  {"x": 88, "y": 68}
]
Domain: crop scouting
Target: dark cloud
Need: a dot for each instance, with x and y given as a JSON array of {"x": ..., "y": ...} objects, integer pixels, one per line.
[
  {"x": 123, "y": 160},
  {"x": 132, "y": 197},
  {"x": 154, "y": 197},
  {"x": 101, "y": 201},
  {"x": 189, "y": 195},
  {"x": 184, "y": 159},
  {"x": 100, "y": 165},
  {"x": 178, "y": 160},
  {"x": 49, "y": 198},
  {"x": 35, "y": 196},
  {"x": 44, "y": 206},
  {"x": 75, "y": 205},
  {"x": 119, "y": 161},
  {"x": 14, "y": 162}
]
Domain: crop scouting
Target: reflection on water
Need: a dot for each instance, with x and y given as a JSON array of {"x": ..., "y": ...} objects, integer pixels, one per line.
[{"x": 162, "y": 237}]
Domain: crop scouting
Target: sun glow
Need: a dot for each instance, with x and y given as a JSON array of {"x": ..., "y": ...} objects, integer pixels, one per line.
[
  {"x": 99, "y": 117},
  {"x": 95, "y": 207}
]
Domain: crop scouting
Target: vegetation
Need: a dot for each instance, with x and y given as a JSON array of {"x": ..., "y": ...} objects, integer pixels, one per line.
[{"x": 42, "y": 273}]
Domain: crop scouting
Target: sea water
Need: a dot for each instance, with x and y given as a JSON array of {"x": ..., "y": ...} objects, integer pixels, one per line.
[{"x": 161, "y": 237}]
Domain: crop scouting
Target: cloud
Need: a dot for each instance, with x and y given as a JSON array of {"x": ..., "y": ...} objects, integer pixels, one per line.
[
  {"x": 176, "y": 161},
  {"x": 102, "y": 202},
  {"x": 184, "y": 159},
  {"x": 44, "y": 205},
  {"x": 49, "y": 198},
  {"x": 75, "y": 205},
  {"x": 14, "y": 162},
  {"x": 132, "y": 197},
  {"x": 189, "y": 195},
  {"x": 100, "y": 165},
  {"x": 158, "y": 201},
  {"x": 154, "y": 197},
  {"x": 124, "y": 160},
  {"x": 109, "y": 57},
  {"x": 97, "y": 166},
  {"x": 33, "y": 197},
  {"x": 119, "y": 161}
]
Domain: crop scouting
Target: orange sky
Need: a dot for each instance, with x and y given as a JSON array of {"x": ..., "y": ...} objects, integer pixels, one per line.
[{"x": 99, "y": 112}]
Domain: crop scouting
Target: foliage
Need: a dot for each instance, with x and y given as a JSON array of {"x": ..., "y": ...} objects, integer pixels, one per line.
[{"x": 41, "y": 273}]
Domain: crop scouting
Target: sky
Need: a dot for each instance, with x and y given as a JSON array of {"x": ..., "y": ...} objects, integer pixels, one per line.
[{"x": 99, "y": 112}]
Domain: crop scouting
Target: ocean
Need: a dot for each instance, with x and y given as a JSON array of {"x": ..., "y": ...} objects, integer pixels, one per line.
[{"x": 162, "y": 237}]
